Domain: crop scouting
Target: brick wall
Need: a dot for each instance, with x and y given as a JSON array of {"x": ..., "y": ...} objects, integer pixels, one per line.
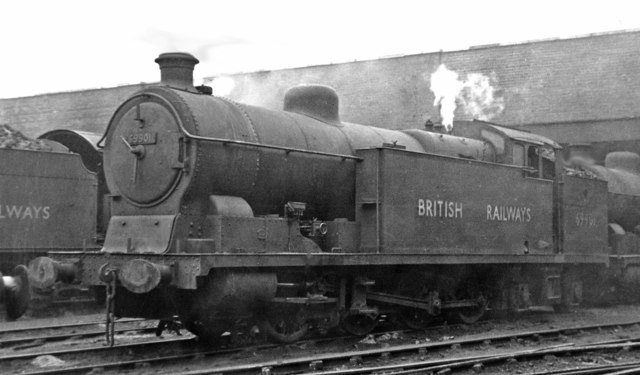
[
  {"x": 581, "y": 81},
  {"x": 589, "y": 78},
  {"x": 88, "y": 110}
]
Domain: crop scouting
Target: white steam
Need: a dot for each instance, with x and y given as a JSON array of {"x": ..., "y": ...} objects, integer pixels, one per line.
[
  {"x": 479, "y": 97},
  {"x": 220, "y": 86},
  {"x": 475, "y": 92},
  {"x": 445, "y": 87}
]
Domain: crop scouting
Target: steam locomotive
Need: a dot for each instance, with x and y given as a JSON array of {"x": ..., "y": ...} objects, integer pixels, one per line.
[{"x": 232, "y": 216}]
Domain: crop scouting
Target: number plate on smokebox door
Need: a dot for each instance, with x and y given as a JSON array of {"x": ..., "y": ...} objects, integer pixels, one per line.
[{"x": 142, "y": 139}]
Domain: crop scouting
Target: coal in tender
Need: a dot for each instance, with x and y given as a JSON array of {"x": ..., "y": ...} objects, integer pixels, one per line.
[{"x": 11, "y": 138}]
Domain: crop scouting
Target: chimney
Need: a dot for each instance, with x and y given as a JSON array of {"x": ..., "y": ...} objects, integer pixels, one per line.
[{"x": 176, "y": 70}]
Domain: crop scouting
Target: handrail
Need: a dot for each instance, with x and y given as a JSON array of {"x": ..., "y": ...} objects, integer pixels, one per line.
[
  {"x": 226, "y": 141},
  {"x": 262, "y": 145}
]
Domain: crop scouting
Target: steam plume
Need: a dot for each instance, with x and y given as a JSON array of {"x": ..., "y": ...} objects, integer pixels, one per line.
[
  {"x": 446, "y": 87},
  {"x": 476, "y": 93},
  {"x": 480, "y": 98},
  {"x": 220, "y": 86}
]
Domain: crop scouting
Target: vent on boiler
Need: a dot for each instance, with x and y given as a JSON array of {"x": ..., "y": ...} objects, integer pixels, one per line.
[{"x": 317, "y": 101}]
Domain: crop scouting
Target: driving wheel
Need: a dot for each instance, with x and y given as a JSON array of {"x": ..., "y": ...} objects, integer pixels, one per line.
[
  {"x": 359, "y": 324},
  {"x": 285, "y": 324}
]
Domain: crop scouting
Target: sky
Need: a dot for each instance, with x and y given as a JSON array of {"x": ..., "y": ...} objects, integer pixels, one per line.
[{"x": 66, "y": 45}]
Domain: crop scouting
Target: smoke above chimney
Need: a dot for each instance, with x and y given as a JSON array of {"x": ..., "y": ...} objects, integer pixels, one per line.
[
  {"x": 221, "y": 86},
  {"x": 475, "y": 92},
  {"x": 445, "y": 87}
]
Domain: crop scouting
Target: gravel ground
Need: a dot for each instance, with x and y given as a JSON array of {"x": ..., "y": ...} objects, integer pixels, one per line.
[
  {"x": 510, "y": 325},
  {"x": 496, "y": 326}
]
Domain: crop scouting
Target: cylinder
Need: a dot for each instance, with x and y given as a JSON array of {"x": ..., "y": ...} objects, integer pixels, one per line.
[{"x": 230, "y": 293}]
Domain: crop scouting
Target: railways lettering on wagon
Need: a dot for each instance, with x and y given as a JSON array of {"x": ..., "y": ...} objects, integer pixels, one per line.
[
  {"x": 22, "y": 212},
  {"x": 439, "y": 208},
  {"x": 508, "y": 213}
]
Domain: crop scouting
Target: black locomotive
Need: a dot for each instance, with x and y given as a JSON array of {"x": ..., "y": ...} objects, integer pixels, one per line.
[{"x": 232, "y": 216}]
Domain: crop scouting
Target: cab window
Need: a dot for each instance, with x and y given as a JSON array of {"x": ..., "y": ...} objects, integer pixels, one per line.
[
  {"x": 533, "y": 157},
  {"x": 518, "y": 154},
  {"x": 541, "y": 162},
  {"x": 548, "y": 157}
]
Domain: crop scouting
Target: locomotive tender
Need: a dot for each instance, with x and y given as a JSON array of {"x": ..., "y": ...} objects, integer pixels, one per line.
[
  {"x": 229, "y": 215},
  {"x": 48, "y": 201}
]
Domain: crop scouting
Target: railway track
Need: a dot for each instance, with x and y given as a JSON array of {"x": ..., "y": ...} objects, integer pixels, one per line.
[
  {"x": 362, "y": 360},
  {"x": 63, "y": 326},
  {"x": 24, "y": 342},
  {"x": 19, "y": 338},
  {"x": 627, "y": 368},
  {"x": 22, "y": 361},
  {"x": 358, "y": 361},
  {"x": 463, "y": 363},
  {"x": 55, "y": 309},
  {"x": 188, "y": 347}
]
